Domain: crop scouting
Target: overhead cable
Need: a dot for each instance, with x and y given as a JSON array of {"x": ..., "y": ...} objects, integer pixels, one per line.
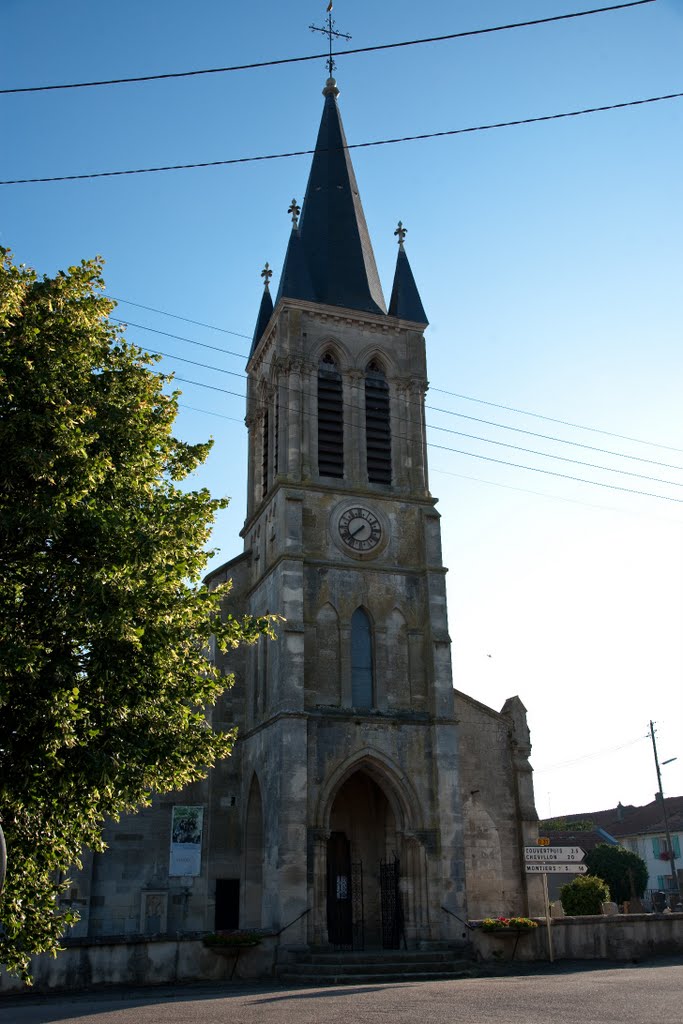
[
  {"x": 442, "y": 391},
  {"x": 354, "y": 145},
  {"x": 485, "y": 458},
  {"x": 434, "y": 408},
  {"x": 321, "y": 56}
]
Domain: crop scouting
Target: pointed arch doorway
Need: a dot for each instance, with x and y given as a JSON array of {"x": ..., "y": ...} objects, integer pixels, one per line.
[{"x": 364, "y": 907}]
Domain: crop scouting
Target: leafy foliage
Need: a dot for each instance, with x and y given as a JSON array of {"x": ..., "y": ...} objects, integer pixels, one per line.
[
  {"x": 624, "y": 871},
  {"x": 104, "y": 625},
  {"x": 566, "y": 825},
  {"x": 585, "y": 895}
]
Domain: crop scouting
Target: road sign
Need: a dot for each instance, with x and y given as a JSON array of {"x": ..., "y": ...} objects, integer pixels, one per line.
[
  {"x": 572, "y": 853},
  {"x": 543, "y": 841},
  {"x": 553, "y": 868}
]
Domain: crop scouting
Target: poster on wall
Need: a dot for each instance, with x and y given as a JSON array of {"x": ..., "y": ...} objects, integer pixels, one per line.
[{"x": 186, "y": 840}]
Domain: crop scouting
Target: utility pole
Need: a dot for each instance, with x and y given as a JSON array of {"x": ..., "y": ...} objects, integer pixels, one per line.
[{"x": 660, "y": 797}]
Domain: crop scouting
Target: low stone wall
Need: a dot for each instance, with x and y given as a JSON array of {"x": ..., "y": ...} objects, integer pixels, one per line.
[
  {"x": 88, "y": 963},
  {"x": 619, "y": 937}
]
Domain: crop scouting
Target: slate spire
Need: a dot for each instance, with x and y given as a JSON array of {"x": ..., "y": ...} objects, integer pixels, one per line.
[
  {"x": 265, "y": 309},
  {"x": 295, "y": 280},
  {"x": 333, "y": 242},
  {"x": 405, "y": 300}
]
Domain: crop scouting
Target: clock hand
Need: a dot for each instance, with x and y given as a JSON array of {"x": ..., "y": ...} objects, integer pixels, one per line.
[{"x": 355, "y": 532}]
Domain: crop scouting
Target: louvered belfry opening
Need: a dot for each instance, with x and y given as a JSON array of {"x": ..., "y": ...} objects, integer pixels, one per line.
[
  {"x": 266, "y": 458},
  {"x": 330, "y": 419},
  {"x": 377, "y": 425},
  {"x": 276, "y": 435}
]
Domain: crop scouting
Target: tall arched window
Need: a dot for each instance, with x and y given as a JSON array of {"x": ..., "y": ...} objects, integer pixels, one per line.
[
  {"x": 361, "y": 660},
  {"x": 265, "y": 456},
  {"x": 377, "y": 425},
  {"x": 330, "y": 419}
]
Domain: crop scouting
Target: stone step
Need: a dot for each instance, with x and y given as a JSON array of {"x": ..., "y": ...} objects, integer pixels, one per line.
[
  {"x": 287, "y": 978},
  {"x": 379, "y": 956},
  {"x": 386, "y": 967}
]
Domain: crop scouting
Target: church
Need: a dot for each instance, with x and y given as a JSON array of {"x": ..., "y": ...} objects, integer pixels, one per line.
[{"x": 367, "y": 803}]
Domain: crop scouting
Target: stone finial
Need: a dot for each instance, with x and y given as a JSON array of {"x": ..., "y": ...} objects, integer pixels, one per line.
[
  {"x": 266, "y": 274},
  {"x": 295, "y": 210},
  {"x": 401, "y": 232}
]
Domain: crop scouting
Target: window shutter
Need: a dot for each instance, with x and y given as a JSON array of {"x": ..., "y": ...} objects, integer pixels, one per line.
[
  {"x": 330, "y": 420},
  {"x": 656, "y": 847},
  {"x": 377, "y": 425}
]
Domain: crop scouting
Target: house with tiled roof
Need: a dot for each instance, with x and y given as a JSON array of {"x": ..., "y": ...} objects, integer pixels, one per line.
[{"x": 640, "y": 829}]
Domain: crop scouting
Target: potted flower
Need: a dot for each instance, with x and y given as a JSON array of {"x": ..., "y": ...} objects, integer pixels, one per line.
[
  {"x": 235, "y": 939},
  {"x": 508, "y": 924}
]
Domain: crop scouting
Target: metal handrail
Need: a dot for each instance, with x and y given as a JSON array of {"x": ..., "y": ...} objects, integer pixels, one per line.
[
  {"x": 466, "y": 923},
  {"x": 302, "y": 914}
]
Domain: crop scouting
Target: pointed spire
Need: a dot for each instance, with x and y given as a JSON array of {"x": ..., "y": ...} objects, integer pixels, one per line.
[
  {"x": 295, "y": 281},
  {"x": 265, "y": 309},
  {"x": 405, "y": 303},
  {"x": 335, "y": 241}
]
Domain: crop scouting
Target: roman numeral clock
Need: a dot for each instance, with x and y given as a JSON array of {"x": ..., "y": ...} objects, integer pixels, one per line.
[{"x": 358, "y": 530}]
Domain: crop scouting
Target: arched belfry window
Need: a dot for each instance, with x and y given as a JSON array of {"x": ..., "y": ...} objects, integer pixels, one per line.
[
  {"x": 377, "y": 425},
  {"x": 265, "y": 460},
  {"x": 330, "y": 419},
  {"x": 361, "y": 660}
]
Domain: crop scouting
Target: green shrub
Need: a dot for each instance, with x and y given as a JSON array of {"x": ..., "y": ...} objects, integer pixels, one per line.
[
  {"x": 624, "y": 872},
  {"x": 585, "y": 895}
]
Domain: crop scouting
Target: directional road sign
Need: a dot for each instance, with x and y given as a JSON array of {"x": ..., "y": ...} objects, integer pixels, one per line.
[
  {"x": 553, "y": 868},
  {"x": 555, "y": 853}
]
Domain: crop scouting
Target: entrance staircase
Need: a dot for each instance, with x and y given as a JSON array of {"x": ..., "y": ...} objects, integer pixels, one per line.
[{"x": 376, "y": 967}]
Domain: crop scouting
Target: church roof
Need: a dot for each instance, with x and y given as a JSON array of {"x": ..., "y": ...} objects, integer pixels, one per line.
[
  {"x": 295, "y": 281},
  {"x": 264, "y": 314},
  {"x": 405, "y": 300},
  {"x": 329, "y": 256},
  {"x": 334, "y": 238}
]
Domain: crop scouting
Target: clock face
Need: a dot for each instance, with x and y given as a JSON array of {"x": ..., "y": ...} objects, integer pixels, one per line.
[{"x": 359, "y": 529}]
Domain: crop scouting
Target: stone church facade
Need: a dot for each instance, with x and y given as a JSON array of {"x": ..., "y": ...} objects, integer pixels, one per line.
[{"x": 367, "y": 802}]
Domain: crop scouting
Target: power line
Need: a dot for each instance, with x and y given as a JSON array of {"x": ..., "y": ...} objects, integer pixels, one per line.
[
  {"x": 320, "y": 56},
  {"x": 442, "y": 391},
  {"x": 197, "y": 323},
  {"x": 430, "y": 426},
  {"x": 485, "y": 458},
  {"x": 588, "y": 757},
  {"x": 459, "y": 476},
  {"x": 561, "y": 458},
  {"x": 559, "y": 440},
  {"x": 567, "y": 423},
  {"x": 353, "y": 145},
  {"x": 179, "y": 337},
  {"x": 449, "y": 412}
]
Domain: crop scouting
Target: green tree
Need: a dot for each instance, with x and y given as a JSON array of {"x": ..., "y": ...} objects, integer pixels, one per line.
[
  {"x": 104, "y": 625},
  {"x": 624, "y": 872},
  {"x": 585, "y": 895}
]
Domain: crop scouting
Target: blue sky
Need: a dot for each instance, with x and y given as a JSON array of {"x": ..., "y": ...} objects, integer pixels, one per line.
[{"x": 548, "y": 258}]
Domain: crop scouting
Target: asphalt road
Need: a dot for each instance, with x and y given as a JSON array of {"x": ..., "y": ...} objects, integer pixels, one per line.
[{"x": 641, "y": 994}]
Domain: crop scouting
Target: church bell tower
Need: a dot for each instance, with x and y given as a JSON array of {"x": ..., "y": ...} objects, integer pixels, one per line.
[{"x": 349, "y": 744}]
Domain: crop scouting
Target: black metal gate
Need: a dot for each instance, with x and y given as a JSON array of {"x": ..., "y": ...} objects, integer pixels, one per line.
[
  {"x": 345, "y": 914},
  {"x": 392, "y": 907}
]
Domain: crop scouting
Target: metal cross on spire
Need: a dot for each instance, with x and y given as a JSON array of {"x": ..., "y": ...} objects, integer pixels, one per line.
[
  {"x": 330, "y": 31},
  {"x": 295, "y": 210},
  {"x": 266, "y": 274},
  {"x": 401, "y": 232}
]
